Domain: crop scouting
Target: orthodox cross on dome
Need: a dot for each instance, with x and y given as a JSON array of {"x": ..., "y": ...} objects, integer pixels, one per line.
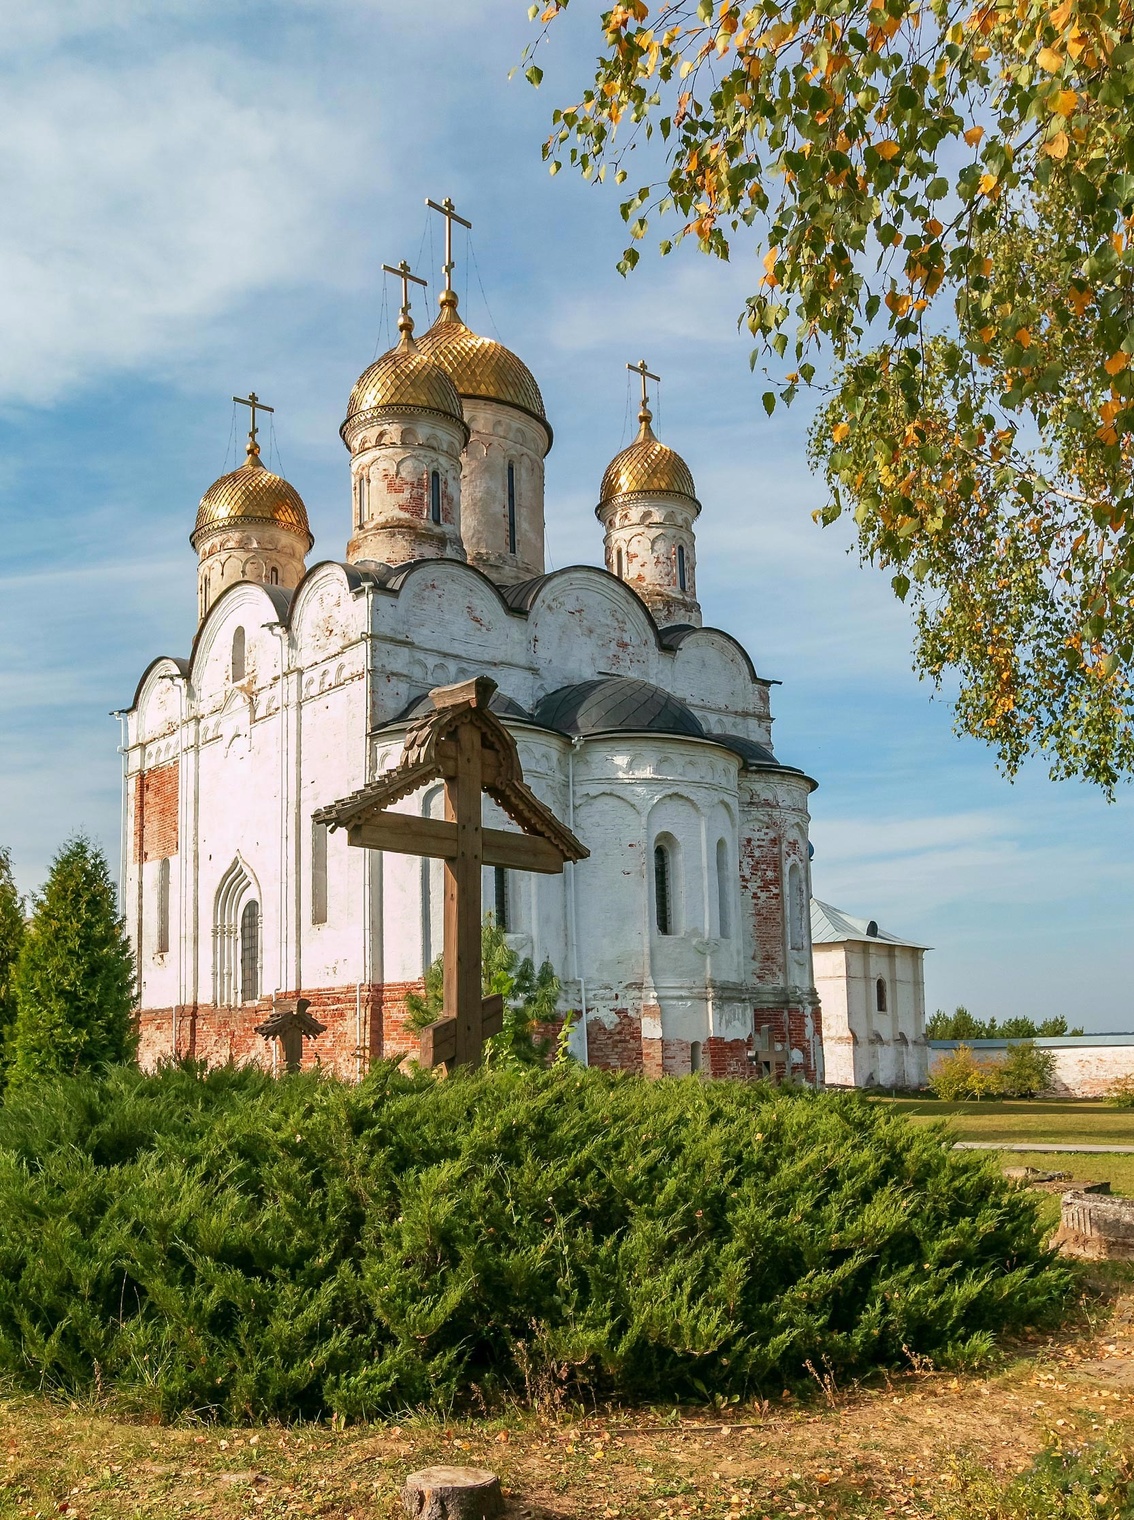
[
  {"x": 462, "y": 742},
  {"x": 449, "y": 212},
  {"x": 254, "y": 404},
  {"x": 402, "y": 270},
  {"x": 644, "y": 374}
]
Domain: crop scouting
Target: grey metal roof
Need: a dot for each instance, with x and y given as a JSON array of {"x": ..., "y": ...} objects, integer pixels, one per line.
[
  {"x": 754, "y": 755},
  {"x": 830, "y": 926},
  {"x": 616, "y": 704}
]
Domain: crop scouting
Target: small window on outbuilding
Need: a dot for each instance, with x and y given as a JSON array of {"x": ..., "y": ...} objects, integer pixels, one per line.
[
  {"x": 880, "y": 994},
  {"x": 435, "y": 496},
  {"x": 162, "y": 945},
  {"x": 238, "y": 655}
]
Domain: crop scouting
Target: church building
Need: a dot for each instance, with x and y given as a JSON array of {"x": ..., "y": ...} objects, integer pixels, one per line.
[{"x": 683, "y": 940}]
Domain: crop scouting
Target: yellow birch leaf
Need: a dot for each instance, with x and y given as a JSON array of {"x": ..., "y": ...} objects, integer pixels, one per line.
[
  {"x": 1024, "y": 337},
  {"x": 1066, "y": 101},
  {"x": 1116, "y": 363},
  {"x": 1057, "y": 146},
  {"x": 974, "y": 135},
  {"x": 1049, "y": 59},
  {"x": 888, "y": 149},
  {"x": 988, "y": 184},
  {"x": 840, "y": 432}
]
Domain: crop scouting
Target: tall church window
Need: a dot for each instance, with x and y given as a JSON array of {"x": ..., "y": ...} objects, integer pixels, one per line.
[
  {"x": 681, "y": 567},
  {"x": 795, "y": 906},
  {"x": 250, "y": 952},
  {"x": 235, "y": 892},
  {"x": 162, "y": 945},
  {"x": 724, "y": 893},
  {"x": 663, "y": 888},
  {"x": 274, "y": 576},
  {"x": 360, "y": 492},
  {"x": 500, "y": 883},
  {"x": 511, "y": 508},
  {"x": 619, "y": 565},
  {"x": 435, "y": 496},
  {"x": 880, "y": 994},
  {"x": 318, "y": 873},
  {"x": 238, "y": 655}
]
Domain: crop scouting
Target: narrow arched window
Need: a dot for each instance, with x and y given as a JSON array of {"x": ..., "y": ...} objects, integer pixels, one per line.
[
  {"x": 250, "y": 952},
  {"x": 163, "y": 907},
  {"x": 500, "y": 883},
  {"x": 695, "y": 1057},
  {"x": 724, "y": 893},
  {"x": 318, "y": 873},
  {"x": 795, "y": 906},
  {"x": 274, "y": 576},
  {"x": 435, "y": 496},
  {"x": 360, "y": 492},
  {"x": 511, "y": 508},
  {"x": 619, "y": 566},
  {"x": 680, "y": 567},
  {"x": 663, "y": 889},
  {"x": 880, "y": 994},
  {"x": 238, "y": 655}
]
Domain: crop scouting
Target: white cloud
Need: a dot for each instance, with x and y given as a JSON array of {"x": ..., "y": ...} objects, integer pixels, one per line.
[{"x": 143, "y": 199}]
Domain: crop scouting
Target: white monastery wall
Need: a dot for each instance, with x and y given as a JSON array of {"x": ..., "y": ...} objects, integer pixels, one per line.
[
  {"x": 1086, "y": 1066},
  {"x": 869, "y": 1046}
]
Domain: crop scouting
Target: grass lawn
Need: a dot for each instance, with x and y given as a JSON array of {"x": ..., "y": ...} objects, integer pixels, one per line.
[
  {"x": 1058, "y": 1123},
  {"x": 926, "y": 1445}
]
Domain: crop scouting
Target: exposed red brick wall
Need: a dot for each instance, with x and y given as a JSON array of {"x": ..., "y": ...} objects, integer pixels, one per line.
[
  {"x": 155, "y": 812},
  {"x": 618, "y": 1048},
  {"x": 762, "y": 898}
]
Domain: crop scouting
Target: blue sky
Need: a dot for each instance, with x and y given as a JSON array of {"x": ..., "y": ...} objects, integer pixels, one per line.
[{"x": 198, "y": 199}]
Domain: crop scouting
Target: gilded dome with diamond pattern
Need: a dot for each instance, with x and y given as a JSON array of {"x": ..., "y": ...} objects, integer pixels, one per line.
[
  {"x": 403, "y": 380},
  {"x": 647, "y": 468},
  {"x": 480, "y": 368},
  {"x": 251, "y": 494}
]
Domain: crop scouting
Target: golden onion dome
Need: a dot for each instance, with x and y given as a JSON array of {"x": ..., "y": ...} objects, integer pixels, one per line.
[
  {"x": 251, "y": 494},
  {"x": 647, "y": 468},
  {"x": 480, "y": 368},
  {"x": 403, "y": 380}
]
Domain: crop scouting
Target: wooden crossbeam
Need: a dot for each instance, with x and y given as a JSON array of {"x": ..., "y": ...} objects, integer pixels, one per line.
[
  {"x": 407, "y": 834},
  {"x": 439, "y": 1039}
]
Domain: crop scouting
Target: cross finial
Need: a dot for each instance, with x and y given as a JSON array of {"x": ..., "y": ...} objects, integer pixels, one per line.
[
  {"x": 644, "y": 374},
  {"x": 402, "y": 270},
  {"x": 254, "y": 404},
  {"x": 449, "y": 212}
]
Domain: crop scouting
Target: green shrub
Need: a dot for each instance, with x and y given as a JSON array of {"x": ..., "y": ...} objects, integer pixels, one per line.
[
  {"x": 1025, "y": 1070},
  {"x": 227, "y": 1244},
  {"x": 1121, "y": 1094},
  {"x": 960, "y": 1077}
]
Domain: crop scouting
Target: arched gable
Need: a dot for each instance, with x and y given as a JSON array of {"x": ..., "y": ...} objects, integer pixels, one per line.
[
  {"x": 583, "y": 619},
  {"x": 446, "y": 604},
  {"x": 249, "y": 605},
  {"x": 326, "y": 614}
]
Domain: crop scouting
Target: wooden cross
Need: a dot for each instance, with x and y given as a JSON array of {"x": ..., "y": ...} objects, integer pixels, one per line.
[
  {"x": 641, "y": 370},
  {"x": 462, "y": 742},
  {"x": 290, "y": 1023},
  {"x": 449, "y": 212},
  {"x": 253, "y": 402}
]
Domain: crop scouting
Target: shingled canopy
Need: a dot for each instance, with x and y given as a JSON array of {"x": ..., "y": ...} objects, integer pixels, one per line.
[{"x": 459, "y": 741}]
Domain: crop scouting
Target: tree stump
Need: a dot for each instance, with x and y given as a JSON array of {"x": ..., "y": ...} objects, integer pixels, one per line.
[{"x": 453, "y": 1493}]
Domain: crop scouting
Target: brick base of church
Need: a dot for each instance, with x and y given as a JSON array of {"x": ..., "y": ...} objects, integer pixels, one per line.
[{"x": 367, "y": 1023}]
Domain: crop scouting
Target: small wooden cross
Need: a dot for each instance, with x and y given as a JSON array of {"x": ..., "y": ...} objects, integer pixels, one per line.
[
  {"x": 290, "y": 1023},
  {"x": 462, "y": 742},
  {"x": 253, "y": 402},
  {"x": 641, "y": 370},
  {"x": 449, "y": 212},
  {"x": 402, "y": 270}
]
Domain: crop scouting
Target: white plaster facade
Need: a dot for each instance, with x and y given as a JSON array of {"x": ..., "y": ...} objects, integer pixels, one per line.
[
  {"x": 641, "y": 738},
  {"x": 872, "y": 988}
]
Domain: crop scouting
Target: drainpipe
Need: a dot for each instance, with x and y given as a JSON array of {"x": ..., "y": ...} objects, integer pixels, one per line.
[
  {"x": 572, "y": 896},
  {"x": 182, "y": 697}
]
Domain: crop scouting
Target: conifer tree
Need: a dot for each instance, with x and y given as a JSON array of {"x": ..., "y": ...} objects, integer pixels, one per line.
[
  {"x": 11, "y": 938},
  {"x": 74, "y": 981}
]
